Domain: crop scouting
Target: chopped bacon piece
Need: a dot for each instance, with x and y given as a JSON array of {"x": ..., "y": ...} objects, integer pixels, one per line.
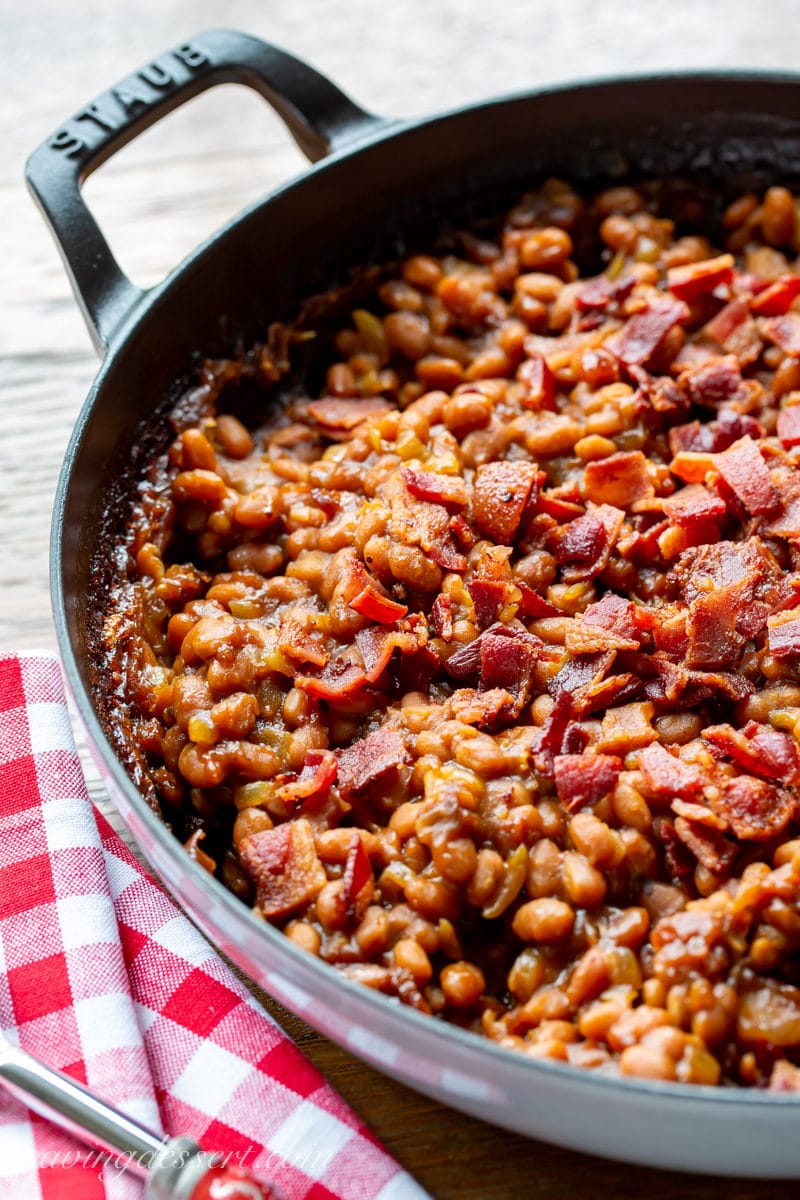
[
  {"x": 786, "y": 521},
  {"x": 715, "y": 382},
  {"x": 758, "y": 749},
  {"x": 784, "y": 634},
  {"x": 599, "y": 292},
  {"x": 743, "y": 469},
  {"x": 789, "y": 426},
  {"x": 776, "y": 299},
  {"x": 420, "y": 523},
  {"x": 603, "y": 693},
  {"x": 711, "y": 626},
  {"x": 709, "y": 846},
  {"x": 539, "y": 382},
  {"x": 644, "y": 332},
  {"x": 785, "y": 333},
  {"x": 481, "y": 708},
  {"x": 338, "y": 680},
  {"x": 317, "y": 775},
  {"x": 755, "y": 810},
  {"x": 531, "y": 604},
  {"x": 369, "y": 759},
  {"x": 708, "y": 568},
  {"x": 442, "y": 617},
  {"x": 488, "y": 597},
  {"x": 299, "y": 644},
  {"x": 700, "y": 813},
  {"x": 581, "y": 638},
  {"x": 586, "y": 543},
  {"x": 667, "y": 776},
  {"x": 697, "y": 278},
  {"x": 693, "y": 503},
  {"x": 579, "y": 671},
  {"x": 283, "y": 863},
  {"x": 716, "y": 435},
  {"x": 369, "y": 598},
  {"x": 665, "y": 397},
  {"x": 334, "y": 412},
  {"x": 508, "y": 657},
  {"x": 558, "y": 507},
  {"x": 447, "y": 490},
  {"x": 583, "y": 779},
  {"x": 377, "y": 645},
  {"x": 359, "y": 882},
  {"x": 734, "y": 329},
  {"x": 614, "y": 613},
  {"x": 500, "y": 493},
  {"x": 620, "y": 479},
  {"x": 581, "y": 541}
]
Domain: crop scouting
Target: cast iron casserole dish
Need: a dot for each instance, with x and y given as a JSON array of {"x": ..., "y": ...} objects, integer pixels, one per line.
[{"x": 382, "y": 183}]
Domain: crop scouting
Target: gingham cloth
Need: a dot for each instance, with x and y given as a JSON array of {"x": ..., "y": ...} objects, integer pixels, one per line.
[{"x": 102, "y": 977}]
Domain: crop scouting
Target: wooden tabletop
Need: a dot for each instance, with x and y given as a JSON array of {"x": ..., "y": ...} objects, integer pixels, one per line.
[{"x": 174, "y": 187}]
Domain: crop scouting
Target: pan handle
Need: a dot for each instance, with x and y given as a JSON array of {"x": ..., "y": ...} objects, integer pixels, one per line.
[{"x": 320, "y": 118}]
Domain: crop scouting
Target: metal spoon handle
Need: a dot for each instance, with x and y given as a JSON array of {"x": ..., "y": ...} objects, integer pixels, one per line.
[{"x": 174, "y": 1169}]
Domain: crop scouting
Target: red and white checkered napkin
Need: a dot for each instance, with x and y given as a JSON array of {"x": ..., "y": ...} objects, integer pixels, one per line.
[{"x": 102, "y": 977}]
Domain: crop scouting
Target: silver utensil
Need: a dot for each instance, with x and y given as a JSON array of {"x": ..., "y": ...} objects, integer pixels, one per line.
[{"x": 172, "y": 1169}]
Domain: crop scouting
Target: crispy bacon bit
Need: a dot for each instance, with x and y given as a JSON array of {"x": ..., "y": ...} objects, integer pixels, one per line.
[
  {"x": 442, "y": 617},
  {"x": 586, "y": 543},
  {"x": 500, "y": 493},
  {"x": 716, "y": 435},
  {"x": 758, "y": 749},
  {"x": 599, "y": 292},
  {"x": 786, "y": 521},
  {"x": 614, "y": 613},
  {"x": 666, "y": 775},
  {"x": 447, "y": 490},
  {"x": 709, "y": 846},
  {"x": 715, "y": 382},
  {"x": 693, "y": 503},
  {"x": 785, "y": 333},
  {"x": 377, "y": 645},
  {"x": 368, "y": 760},
  {"x": 644, "y": 332},
  {"x": 297, "y": 643},
  {"x": 696, "y": 279},
  {"x": 283, "y": 863},
  {"x": 488, "y": 597},
  {"x": 734, "y": 330},
  {"x": 420, "y": 523},
  {"x": 334, "y": 412},
  {"x": 339, "y": 679},
  {"x": 711, "y": 626},
  {"x": 539, "y": 383},
  {"x": 581, "y": 638},
  {"x": 581, "y": 541},
  {"x": 783, "y": 632},
  {"x": 776, "y": 299},
  {"x": 620, "y": 479},
  {"x": 583, "y": 779},
  {"x": 533, "y": 605},
  {"x": 744, "y": 471},
  {"x": 317, "y": 775},
  {"x": 789, "y": 426},
  {"x": 708, "y": 568},
  {"x": 359, "y": 882},
  {"x": 508, "y": 656},
  {"x": 754, "y": 809},
  {"x": 371, "y": 599}
]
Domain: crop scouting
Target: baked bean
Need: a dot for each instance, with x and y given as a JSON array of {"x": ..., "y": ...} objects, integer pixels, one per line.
[
  {"x": 463, "y": 984},
  {"x": 543, "y": 920}
]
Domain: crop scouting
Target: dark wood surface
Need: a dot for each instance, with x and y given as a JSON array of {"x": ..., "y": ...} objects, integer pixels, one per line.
[{"x": 176, "y": 185}]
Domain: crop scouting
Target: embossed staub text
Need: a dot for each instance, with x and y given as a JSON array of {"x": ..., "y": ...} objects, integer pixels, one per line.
[{"x": 115, "y": 108}]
